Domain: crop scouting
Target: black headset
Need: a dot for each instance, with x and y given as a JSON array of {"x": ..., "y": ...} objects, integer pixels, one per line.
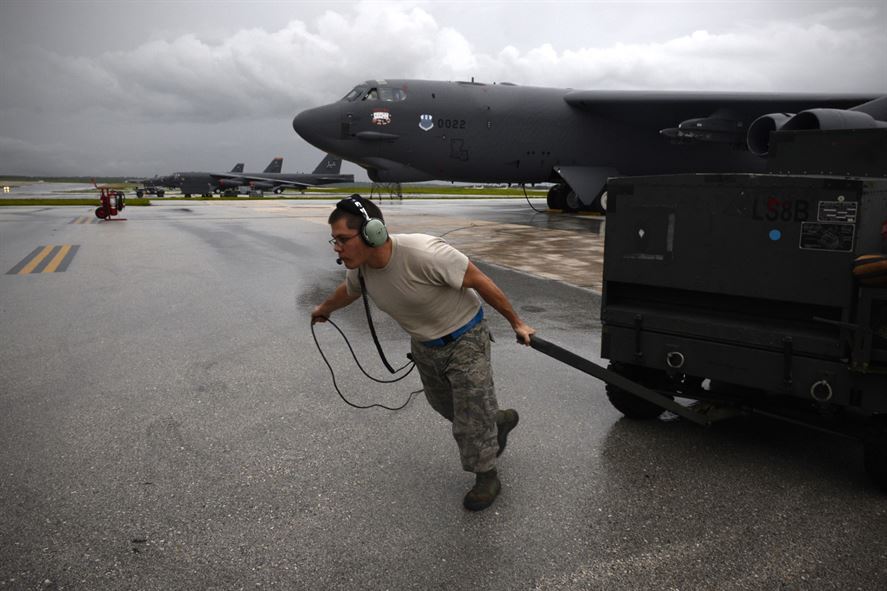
[{"x": 372, "y": 230}]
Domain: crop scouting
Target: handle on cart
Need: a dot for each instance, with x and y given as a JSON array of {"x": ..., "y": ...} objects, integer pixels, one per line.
[{"x": 613, "y": 378}]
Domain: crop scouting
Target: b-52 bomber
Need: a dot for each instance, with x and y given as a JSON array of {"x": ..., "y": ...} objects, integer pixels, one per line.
[
  {"x": 419, "y": 130},
  {"x": 271, "y": 179},
  {"x": 200, "y": 183}
]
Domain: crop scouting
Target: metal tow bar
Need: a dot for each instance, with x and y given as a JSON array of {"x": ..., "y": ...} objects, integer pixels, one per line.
[{"x": 611, "y": 377}]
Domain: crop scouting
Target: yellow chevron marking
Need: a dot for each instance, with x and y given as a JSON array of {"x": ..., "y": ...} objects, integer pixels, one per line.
[
  {"x": 57, "y": 259},
  {"x": 36, "y": 260}
]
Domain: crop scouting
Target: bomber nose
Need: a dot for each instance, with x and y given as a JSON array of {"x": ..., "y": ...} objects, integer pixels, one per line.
[
  {"x": 310, "y": 124},
  {"x": 299, "y": 122}
]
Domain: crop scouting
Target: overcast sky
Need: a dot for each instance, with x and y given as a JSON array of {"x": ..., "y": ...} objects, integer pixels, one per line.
[{"x": 144, "y": 88}]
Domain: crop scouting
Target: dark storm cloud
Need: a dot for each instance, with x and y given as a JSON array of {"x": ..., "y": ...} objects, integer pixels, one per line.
[{"x": 156, "y": 97}]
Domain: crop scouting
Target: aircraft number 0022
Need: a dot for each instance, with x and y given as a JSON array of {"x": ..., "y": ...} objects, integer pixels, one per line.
[{"x": 451, "y": 123}]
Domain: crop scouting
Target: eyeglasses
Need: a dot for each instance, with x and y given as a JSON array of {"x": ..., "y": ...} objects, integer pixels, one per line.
[{"x": 341, "y": 240}]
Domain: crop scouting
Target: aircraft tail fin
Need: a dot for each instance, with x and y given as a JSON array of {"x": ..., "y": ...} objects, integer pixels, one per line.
[
  {"x": 330, "y": 164},
  {"x": 275, "y": 166},
  {"x": 238, "y": 167}
]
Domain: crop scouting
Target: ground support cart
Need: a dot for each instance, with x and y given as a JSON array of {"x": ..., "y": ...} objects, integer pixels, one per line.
[{"x": 739, "y": 290}]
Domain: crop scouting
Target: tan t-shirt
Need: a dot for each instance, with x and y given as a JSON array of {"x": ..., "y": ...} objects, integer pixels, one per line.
[{"x": 421, "y": 286}]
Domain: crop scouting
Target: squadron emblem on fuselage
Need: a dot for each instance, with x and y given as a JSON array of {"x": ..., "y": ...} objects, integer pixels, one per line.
[
  {"x": 426, "y": 122},
  {"x": 381, "y": 117}
]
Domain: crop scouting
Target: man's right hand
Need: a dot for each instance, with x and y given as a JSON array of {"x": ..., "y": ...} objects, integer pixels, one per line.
[
  {"x": 339, "y": 299},
  {"x": 319, "y": 315}
]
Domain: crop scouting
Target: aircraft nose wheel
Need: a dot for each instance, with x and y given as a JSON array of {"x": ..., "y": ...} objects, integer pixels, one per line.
[
  {"x": 563, "y": 198},
  {"x": 572, "y": 202},
  {"x": 557, "y": 197}
]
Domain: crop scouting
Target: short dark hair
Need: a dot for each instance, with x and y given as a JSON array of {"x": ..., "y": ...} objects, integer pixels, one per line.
[{"x": 346, "y": 209}]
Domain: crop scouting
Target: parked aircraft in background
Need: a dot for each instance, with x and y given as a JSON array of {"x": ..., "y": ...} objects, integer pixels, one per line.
[
  {"x": 207, "y": 183},
  {"x": 418, "y": 130},
  {"x": 156, "y": 184},
  {"x": 326, "y": 173},
  {"x": 271, "y": 179}
]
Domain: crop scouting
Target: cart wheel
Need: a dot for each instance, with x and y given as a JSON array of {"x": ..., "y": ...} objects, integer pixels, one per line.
[
  {"x": 100, "y": 213},
  {"x": 629, "y": 404},
  {"x": 876, "y": 451}
]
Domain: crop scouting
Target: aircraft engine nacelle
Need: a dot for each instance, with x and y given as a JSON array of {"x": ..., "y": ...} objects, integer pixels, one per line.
[
  {"x": 758, "y": 138},
  {"x": 261, "y": 186},
  {"x": 811, "y": 119},
  {"x": 831, "y": 119},
  {"x": 714, "y": 129},
  {"x": 229, "y": 183}
]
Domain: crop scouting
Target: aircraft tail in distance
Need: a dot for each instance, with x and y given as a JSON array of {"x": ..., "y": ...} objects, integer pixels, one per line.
[
  {"x": 329, "y": 165},
  {"x": 238, "y": 167},
  {"x": 275, "y": 166}
]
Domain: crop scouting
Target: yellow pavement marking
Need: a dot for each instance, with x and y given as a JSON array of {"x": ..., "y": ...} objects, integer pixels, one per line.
[
  {"x": 36, "y": 260},
  {"x": 57, "y": 259}
]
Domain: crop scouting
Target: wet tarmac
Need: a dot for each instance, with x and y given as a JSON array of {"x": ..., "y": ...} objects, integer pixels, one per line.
[
  {"x": 509, "y": 233},
  {"x": 167, "y": 423},
  {"x": 27, "y": 190}
]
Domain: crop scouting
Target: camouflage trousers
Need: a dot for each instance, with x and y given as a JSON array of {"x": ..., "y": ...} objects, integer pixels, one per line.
[{"x": 458, "y": 381}]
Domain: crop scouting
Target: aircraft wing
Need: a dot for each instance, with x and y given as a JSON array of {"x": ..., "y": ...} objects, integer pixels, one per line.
[
  {"x": 313, "y": 180},
  {"x": 278, "y": 182},
  {"x": 293, "y": 184},
  {"x": 246, "y": 179},
  {"x": 225, "y": 175},
  {"x": 669, "y": 108},
  {"x": 717, "y": 117}
]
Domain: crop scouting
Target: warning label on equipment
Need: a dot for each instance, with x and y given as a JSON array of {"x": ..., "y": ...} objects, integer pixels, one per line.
[
  {"x": 834, "y": 237},
  {"x": 837, "y": 211}
]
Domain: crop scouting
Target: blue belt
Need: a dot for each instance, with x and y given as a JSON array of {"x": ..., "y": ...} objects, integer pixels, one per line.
[{"x": 453, "y": 336}]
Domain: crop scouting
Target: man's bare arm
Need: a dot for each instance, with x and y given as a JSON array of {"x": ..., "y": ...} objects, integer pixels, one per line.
[
  {"x": 339, "y": 299},
  {"x": 476, "y": 279}
]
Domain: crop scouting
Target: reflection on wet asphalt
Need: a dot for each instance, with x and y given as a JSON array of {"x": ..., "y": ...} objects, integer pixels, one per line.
[{"x": 551, "y": 245}]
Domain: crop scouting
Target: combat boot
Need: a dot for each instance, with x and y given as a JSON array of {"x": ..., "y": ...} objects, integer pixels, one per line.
[
  {"x": 486, "y": 489},
  {"x": 506, "y": 420}
]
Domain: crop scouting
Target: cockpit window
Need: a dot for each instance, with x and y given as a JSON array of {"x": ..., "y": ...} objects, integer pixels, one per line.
[
  {"x": 387, "y": 93},
  {"x": 355, "y": 94},
  {"x": 378, "y": 93}
]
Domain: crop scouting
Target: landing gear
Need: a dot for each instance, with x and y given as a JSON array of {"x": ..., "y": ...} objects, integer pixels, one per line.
[
  {"x": 571, "y": 202},
  {"x": 563, "y": 198},
  {"x": 557, "y": 197}
]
